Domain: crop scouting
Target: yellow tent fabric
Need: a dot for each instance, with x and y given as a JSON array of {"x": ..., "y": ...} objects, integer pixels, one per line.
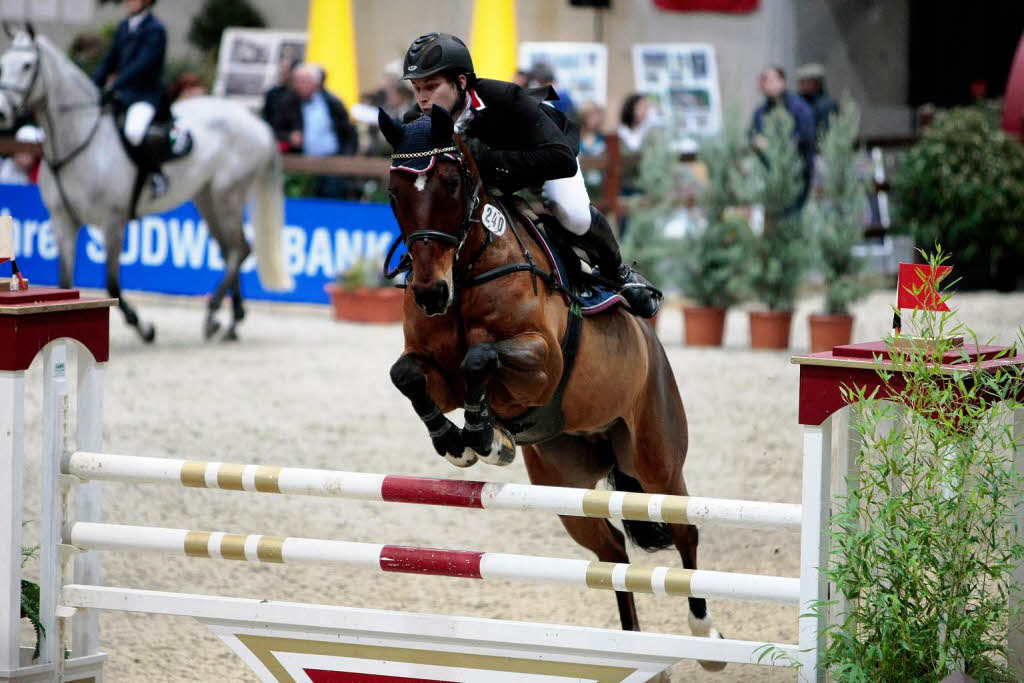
[
  {"x": 332, "y": 45},
  {"x": 493, "y": 39}
]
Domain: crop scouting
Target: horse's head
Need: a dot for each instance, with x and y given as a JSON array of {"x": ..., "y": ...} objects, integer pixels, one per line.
[
  {"x": 20, "y": 86},
  {"x": 434, "y": 189}
]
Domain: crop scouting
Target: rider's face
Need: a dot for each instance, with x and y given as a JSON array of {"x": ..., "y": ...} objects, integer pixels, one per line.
[
  {"x": 134, "y": 6},
  {"x": 437, "y": 90}
]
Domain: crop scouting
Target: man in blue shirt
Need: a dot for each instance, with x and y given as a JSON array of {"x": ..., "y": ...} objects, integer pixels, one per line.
[
  {"x": 773, "y": 86},
  {"x": 314, "y": 122}
]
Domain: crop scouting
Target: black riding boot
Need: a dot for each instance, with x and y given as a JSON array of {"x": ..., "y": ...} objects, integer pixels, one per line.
[
  {"x": 158, "y": 146},
  {"x": 600, "y": 244}
]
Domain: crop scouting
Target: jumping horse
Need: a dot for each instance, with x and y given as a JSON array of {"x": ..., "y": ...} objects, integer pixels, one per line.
[
  {"x": 88, "y": 177},
  {"x": 489, "y": 330}
]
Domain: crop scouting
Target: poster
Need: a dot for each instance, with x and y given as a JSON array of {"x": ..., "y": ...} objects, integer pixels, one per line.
[
  {"x": 682, "y": 82},
  {"x": 580, "y": 68},
  {"x": 249, "y": 61}
]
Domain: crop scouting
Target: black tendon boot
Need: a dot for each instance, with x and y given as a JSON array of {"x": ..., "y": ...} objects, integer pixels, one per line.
[{"x": 599, "y": 242}]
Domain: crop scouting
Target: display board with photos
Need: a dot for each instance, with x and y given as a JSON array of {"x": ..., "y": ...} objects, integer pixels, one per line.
[
  {"x": 681, "y": 80},
  {"x": 250, "y": 59},
  {"x": 580, "y": 68}
]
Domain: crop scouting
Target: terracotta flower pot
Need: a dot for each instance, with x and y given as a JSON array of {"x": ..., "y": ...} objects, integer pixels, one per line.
[
  {"x": 365, "y": 305},
  {"x": 828, "y": 331},
  {"x": 703, "y": 326},
  {"x": 770, "y": 329}
]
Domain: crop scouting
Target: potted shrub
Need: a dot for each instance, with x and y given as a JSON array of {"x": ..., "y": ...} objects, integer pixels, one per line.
[
  {"x": 835, "y": 218},
  {"x": 713, "y": 258},
  {"x": 644, "y": 243},
  {"x": 925, "y": 543},
  {"x": 775, "y": 182},
  {"x": 962, "y": 186},
  {"x": 361, "y": 294}
]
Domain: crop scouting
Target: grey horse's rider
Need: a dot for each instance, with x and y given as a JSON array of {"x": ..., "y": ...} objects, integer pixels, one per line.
[{"x": 131, "y": 76}]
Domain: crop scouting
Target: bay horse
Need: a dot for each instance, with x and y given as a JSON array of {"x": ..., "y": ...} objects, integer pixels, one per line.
[
  {"x": 485, "y": 329},
  {"x": 88, "y": 177}
]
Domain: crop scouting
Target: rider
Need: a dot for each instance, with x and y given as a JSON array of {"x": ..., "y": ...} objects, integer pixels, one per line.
[
  {"x": 519, "y": 143},
  {"x": 130, "y": 76}
]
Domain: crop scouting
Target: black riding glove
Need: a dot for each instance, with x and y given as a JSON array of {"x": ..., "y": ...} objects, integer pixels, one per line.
[{"x": 479, "y": 149}]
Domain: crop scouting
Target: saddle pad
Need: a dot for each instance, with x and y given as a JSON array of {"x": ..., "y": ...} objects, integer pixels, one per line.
[{"x": 594, "y": 297}]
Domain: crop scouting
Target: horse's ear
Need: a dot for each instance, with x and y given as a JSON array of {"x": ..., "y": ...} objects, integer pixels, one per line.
[
  {"x": 7, "y": 29},
  {"x": 389, "y": 128},
  {"x": 31, "y": 30},
  {"x": 442, "y": 128}
]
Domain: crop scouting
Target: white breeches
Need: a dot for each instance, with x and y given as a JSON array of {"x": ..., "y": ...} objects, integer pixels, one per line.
[
  {"x": 568, "y": 200},
  {"x": 137, "y": 120}
]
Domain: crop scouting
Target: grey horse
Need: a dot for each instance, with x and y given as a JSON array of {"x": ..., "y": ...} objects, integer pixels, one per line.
[{"x": 87, "y": 177}]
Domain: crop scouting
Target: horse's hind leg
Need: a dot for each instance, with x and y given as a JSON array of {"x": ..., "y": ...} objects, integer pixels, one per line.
[
  {"x": 223, "y": 216},
  {"x": 658, "y": 447},
  {"x": 581, "y": 464},
  {"x": 113, "y": 239}
]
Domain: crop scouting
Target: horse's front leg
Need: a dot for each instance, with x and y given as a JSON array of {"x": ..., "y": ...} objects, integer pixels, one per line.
[
  {"x": 416, "y": 378},
  {"x": 521, "y": 362}
]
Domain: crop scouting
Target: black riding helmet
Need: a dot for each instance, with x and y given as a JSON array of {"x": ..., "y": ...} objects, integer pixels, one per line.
[{"x": 434, "y": 53}]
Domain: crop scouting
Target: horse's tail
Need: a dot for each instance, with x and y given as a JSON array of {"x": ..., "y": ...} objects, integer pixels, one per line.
[
  {"x": 650, "y": 536},
  {"x": 268, "y": 223}
]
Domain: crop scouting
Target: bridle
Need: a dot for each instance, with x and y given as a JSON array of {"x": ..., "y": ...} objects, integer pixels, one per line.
[
  {"x": 22, "y": 108},
  {"x": 470, "y": 204}
]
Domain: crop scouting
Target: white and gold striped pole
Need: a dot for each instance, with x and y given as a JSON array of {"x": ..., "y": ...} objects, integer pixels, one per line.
[{"x": 436, "y": 562}]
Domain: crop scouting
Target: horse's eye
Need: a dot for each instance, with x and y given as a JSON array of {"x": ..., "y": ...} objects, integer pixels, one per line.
[{"x": 26, "y": 66}]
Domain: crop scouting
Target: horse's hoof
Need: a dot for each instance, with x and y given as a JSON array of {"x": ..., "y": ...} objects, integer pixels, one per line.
[
  {"x": 230, "y": 335},
  {"x": 703, "y": 628},
  {"x": 147, "y": 333},
  {"x": 211, "y": 328},
  {"x": 466, "y": 459},
  {"x": 503, "y": 449}
]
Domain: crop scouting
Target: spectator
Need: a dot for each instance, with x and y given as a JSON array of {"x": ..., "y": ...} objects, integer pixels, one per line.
[
  {"x": 592, "y": 140},
  {"x": 314, "y": 122},
  {"x": 634, "y": 122},
  {"x": 772, "y": 83},
  {"x": 272, "y": 98},
  {"x": 22, "y": 168},
  {"x": 544, "y": 76},
  {"x": 188, "y": 84},
  {"x": 810, "y": 79}
]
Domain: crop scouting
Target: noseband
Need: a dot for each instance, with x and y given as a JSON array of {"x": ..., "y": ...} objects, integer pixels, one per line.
[{"x": 472, "y": 200}]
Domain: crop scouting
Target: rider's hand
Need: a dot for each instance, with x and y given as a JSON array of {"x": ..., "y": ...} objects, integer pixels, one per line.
[
  {"x": 477, "y": 148},
  {"x": 107, "y": 96},
  {"x": 296, "y": 139}
]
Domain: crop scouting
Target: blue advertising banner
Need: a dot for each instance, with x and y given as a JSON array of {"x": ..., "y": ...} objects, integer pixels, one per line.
[{"x": 173, "y": 252}]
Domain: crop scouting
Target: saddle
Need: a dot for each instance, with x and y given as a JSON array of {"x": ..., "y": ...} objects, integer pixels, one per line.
[{"x": 584, "y": 294}]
